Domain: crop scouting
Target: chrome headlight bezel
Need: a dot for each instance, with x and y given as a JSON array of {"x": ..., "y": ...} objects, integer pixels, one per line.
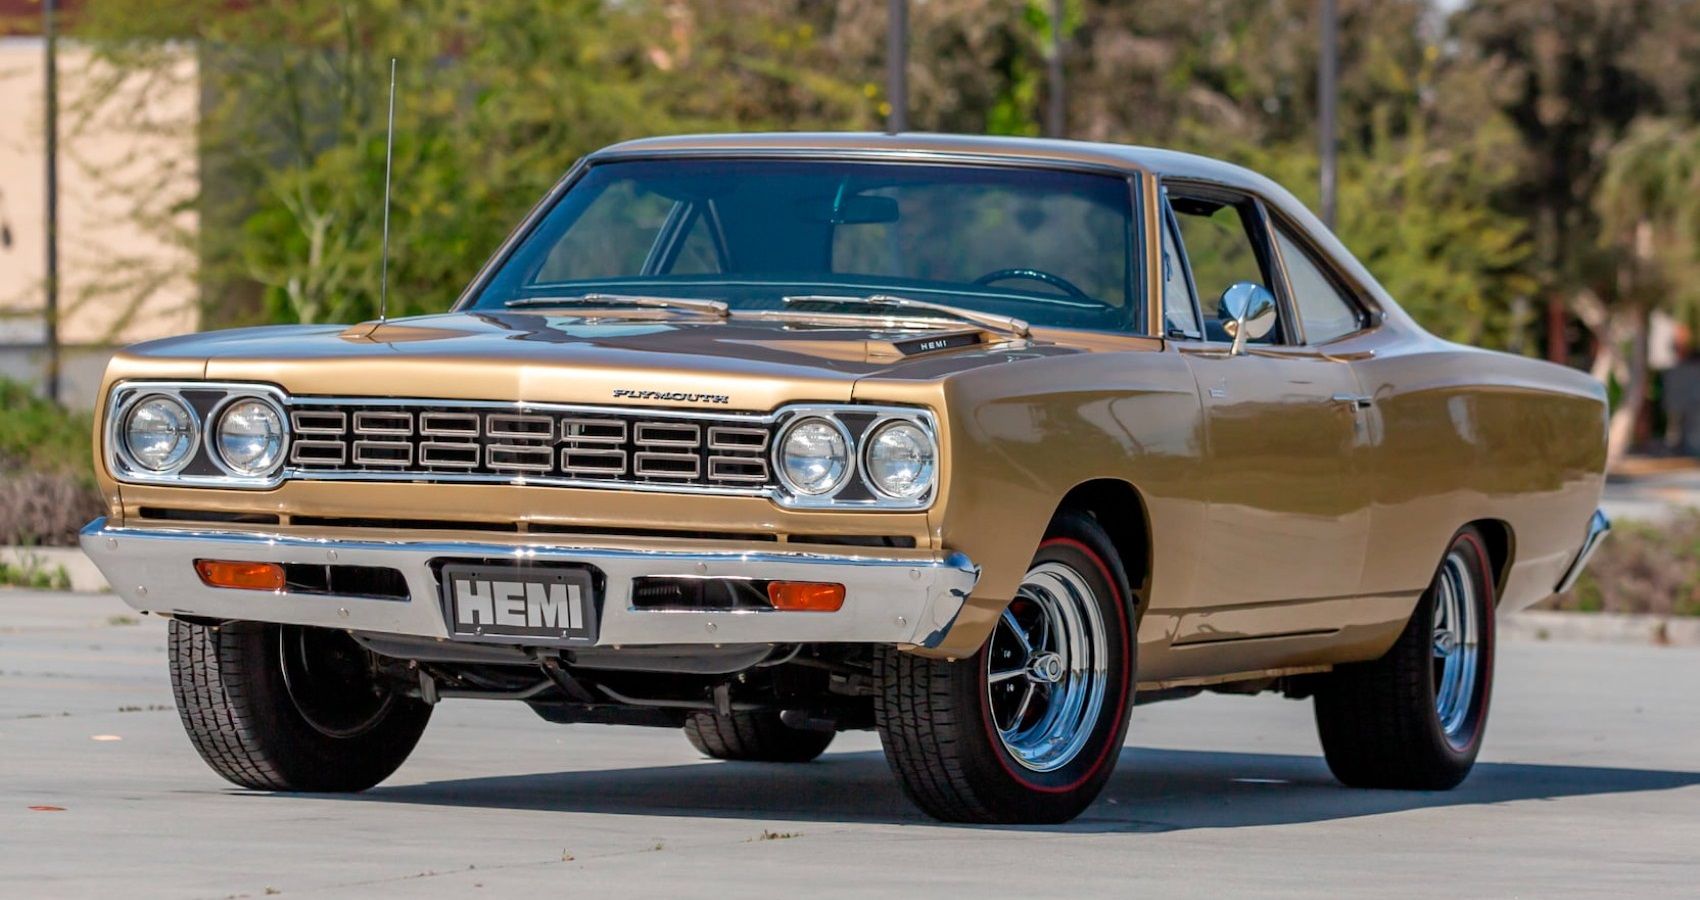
[
  {"x": 206, "y": 402},
  {"x": 858, "y": 423}
]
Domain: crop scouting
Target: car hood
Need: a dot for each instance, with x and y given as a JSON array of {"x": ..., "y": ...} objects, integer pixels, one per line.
[{"x": 651, "y": 358}]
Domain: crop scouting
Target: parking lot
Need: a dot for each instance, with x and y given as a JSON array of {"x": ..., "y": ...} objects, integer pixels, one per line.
[{"x": 1589, "y": 785}]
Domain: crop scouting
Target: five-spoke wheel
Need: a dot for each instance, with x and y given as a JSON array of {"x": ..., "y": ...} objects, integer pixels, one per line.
[
  {"x": 1028, "y": 729},
  {"x": 1047, "y": 668},
  {"x": 1414, "y": 718}
]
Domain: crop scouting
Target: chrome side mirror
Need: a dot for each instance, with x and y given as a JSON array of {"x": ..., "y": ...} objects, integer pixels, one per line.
[{"x": 1247, "y": 312}]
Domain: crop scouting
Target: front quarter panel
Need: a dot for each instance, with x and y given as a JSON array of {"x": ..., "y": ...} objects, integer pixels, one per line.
[{"x": 1021, "y": 435}]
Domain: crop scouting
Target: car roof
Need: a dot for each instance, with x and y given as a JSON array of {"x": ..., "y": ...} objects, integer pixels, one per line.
[{"x": 1122, "y": 157}]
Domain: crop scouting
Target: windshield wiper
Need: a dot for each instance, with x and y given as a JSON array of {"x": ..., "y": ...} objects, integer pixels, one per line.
[
  {"x": 1006, "y": 324},
  {"x": 711, "y": 307}
]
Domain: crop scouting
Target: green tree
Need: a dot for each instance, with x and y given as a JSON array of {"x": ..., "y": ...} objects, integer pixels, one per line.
[{"x": 495, "y": 101}]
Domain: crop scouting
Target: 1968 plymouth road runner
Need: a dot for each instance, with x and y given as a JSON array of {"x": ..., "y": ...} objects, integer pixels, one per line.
[{"x": 971, "y": 441}]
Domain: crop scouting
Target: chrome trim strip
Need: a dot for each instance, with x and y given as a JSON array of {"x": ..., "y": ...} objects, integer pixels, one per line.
[
  {"x": 1598, "y": 527},
  {"x": 908, "y": 598},
  {"x": 497, "y": 406}
]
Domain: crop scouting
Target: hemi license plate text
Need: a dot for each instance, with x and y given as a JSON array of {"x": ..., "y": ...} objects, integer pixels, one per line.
[{"x": 510, "y": 601}]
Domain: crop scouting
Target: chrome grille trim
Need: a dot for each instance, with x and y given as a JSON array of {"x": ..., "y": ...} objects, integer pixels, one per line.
[
  {"x": 454, "y": 455},
  {"x": 593, "y": 431},
  {"x": 381, "y": 439},
  {"x": 442, "y": 424},
  {"x": 389, "y": 454},
  {"x": 725, "y": 437},
  {"x": 323, "y": 421},
  {"x": 653, "y": 464},
  {"x": 318, "y": 453},
  {"x": 384, "y": 422},
  {"x": 510, "y": 425},
  {"x": 669, "y": 434}
]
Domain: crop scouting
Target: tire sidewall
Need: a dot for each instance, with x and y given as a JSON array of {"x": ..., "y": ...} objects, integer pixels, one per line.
[
  {"x": 1480, "y": 570},
  {"x": 1075, "y": 541},
  {"x": 303, "y": 755}
]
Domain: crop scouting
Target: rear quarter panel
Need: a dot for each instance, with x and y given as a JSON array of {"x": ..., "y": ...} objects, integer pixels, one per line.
[{"x": 1461, "y": 435}]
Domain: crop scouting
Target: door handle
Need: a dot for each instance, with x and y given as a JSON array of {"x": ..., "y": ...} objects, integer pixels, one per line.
[{"x": 1355, "y": 401}]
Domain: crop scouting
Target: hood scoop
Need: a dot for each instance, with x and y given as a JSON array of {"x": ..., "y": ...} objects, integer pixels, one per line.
[{"x": 935, "y": 343}]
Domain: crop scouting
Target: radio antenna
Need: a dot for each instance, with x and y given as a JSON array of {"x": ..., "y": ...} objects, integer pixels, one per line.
[{"x": 389, "y": 151}]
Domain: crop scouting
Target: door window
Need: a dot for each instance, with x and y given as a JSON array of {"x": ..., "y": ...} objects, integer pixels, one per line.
[
  {"x": 1180, "y": 309},
  {"x": 1325, "y": 311},
  {"x": 1221, "y": 249}
]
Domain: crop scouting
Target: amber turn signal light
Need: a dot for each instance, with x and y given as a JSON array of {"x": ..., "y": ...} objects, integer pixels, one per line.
[
  {"x": 247, "y": 576},
  {"x": 805, "y": 596}
]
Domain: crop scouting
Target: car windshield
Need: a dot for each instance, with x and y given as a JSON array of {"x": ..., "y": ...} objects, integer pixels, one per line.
[{"x": 1052, "y": 247}]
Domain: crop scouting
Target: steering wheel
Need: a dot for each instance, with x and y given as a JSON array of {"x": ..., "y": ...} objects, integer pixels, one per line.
[{"x": 1039, "y": 275}]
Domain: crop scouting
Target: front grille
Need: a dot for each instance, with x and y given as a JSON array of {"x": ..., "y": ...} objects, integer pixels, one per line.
[{"x": 349, "y": 440}]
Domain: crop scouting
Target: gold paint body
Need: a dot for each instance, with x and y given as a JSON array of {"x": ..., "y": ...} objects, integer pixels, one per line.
[{"x": 1284, "y": 531}]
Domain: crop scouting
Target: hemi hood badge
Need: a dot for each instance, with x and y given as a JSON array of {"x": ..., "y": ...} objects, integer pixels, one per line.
[{"x": 676, "y": 396}]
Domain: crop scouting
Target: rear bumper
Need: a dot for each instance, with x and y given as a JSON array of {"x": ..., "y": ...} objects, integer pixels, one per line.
[
  {"x": 911, "y": 599},
  {"x": 1598, "y": 527}
]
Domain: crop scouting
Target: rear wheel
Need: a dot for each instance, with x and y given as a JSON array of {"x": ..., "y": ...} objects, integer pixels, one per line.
[
  {"x": 1414, "y": 718},
  {"x": 285, "y": 708},
  {"x": 1029, "y": 729},
  {"x": 755, "y": 736}
]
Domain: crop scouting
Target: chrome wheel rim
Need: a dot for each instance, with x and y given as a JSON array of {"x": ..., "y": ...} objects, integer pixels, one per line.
[
  {"x": 1457, "y": 652},
  {"x": 1047, "y": 668}
]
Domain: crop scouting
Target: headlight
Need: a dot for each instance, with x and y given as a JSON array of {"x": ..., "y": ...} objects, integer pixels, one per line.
[
  {"x": 899, "y": 461},
  {"x": 159, "y": 434},
  {"x": 814, "y": 457},
  {"x": 250, "y": 437}
]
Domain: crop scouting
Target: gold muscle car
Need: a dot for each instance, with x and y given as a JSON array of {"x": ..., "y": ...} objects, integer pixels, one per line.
[{"x": 971, "y": 441}]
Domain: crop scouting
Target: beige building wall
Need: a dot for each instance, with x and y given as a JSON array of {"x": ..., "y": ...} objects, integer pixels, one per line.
[{"x": 127, "y": 160}]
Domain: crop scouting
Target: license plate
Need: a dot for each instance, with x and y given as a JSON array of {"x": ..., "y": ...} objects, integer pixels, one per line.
[{"x": 515, "y": 601}]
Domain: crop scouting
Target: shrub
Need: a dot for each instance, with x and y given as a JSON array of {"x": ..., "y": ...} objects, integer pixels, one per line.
[{"x": 47, "y": 487}]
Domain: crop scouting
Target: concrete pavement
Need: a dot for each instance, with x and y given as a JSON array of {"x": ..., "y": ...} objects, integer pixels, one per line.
[{"x": 1589, "y": 785}]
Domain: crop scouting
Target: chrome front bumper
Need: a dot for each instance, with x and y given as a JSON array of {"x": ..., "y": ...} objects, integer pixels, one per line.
[
  {"x": 1598, "y": 527},
  {"x": 888, "y": 600}
]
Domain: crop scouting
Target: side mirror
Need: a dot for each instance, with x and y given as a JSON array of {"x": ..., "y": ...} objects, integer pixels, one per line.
[{"x": 1247, "y": 312}]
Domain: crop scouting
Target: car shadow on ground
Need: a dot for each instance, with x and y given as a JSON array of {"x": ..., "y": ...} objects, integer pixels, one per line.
[{"x": 1151, "y": 791}]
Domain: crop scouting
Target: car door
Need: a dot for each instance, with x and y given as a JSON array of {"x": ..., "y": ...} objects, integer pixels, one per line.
[{"x": 1288, "y": 510}]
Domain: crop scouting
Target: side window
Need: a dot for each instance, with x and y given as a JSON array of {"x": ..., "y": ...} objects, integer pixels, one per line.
[
  {"x": 1325, "y": 311},
  {"x": 1180, "y": 314},
  {"x": 1220, "y": 249}
]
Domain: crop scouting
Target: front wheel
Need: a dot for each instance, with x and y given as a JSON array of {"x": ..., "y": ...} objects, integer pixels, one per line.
[
  {"x": 284, "y": 708},
  {"x": 1414, "y": 718},
  {"x": 1028, "y": 730}
]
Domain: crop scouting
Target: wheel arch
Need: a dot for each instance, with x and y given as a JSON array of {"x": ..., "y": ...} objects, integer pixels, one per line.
[
  {"x": 1501, "y": 546},
  {"x": 1117, "y": 507}
]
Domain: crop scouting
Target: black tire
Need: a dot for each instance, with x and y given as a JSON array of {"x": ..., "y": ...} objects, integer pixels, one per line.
[
  {"x": 262, "y": 729},
  {"x": 1379, "y": 721},
  {"x": 936, "y": 718},
  {"x": 754, "y": 737}
]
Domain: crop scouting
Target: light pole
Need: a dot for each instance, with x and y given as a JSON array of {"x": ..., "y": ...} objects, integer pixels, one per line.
[
  {"x": 1327, "y": 91},
  {"x": 50, "y": 128},
  {"x": 1055, "y": 120},
  {"x": 896, "y": 65}
]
